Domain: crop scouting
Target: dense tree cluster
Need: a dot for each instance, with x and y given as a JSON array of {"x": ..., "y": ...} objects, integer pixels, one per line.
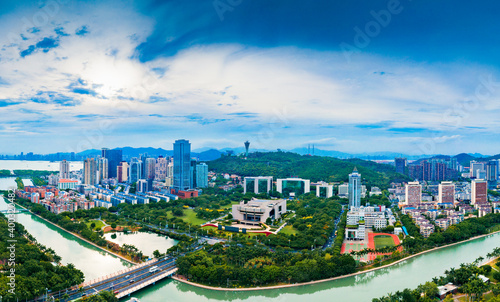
[
  {"x": 235, "y": 265},
  {"x": 315, "y": 168},
  {"x": 34, "y": 271}
]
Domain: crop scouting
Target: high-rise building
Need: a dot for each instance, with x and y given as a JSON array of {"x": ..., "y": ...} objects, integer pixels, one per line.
[
  {"x": 64, "y": 169},
  {"x": 103, "y": 168},
  {"x": 354, "y": 189},
  {"x": 122, "y": 172},
  {"x": 114, "y": 158},
  {"x": 161, "y": 168},
  {"x": 135, "y": 170},
  {"x": 142, "y": 186},
  {"x": 182, "y": 165},
  {"x": 400, "y": 163},
  {"x": 192, "y": 173},
  {"x": 446, "y": 191},
  {"x": 476, "y": 169},
  {"x": 413, "y": 192},
  {"x": 201, "y": 175},
  {"x": 257, "y": 185},
  {"x": 492, "y": 171},
  {"x": 90, "y": 171},
  {"x": 479, "y": 191},
  {"x": 149, "y": 170}
]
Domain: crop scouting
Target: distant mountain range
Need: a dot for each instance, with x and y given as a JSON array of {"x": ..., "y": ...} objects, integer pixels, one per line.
[{"x": 206, "y": 154}]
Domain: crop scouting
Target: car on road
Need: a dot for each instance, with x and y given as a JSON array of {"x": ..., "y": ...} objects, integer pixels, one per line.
[
  {"x": 132, "y": 281},
  {"x": 127, "y": 276}
]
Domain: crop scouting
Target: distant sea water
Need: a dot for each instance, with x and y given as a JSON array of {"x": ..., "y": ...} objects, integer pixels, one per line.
[{"x": 37, "y": 165}]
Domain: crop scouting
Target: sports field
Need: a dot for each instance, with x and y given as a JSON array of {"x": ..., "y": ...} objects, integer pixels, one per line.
[{"x": 382, "y": 241}]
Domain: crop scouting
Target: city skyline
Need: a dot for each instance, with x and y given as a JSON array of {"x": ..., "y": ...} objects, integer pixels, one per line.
[{"x": 143, "y": 72}]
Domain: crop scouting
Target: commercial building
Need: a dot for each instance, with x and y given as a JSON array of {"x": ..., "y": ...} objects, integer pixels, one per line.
[
  {"x": 64, "y": 169},
  {"x": 201, "y": 175},
  {"x": 413, "y": 192},
  {"x": 293, "y": 186},
  {"x": 479, "y": 191},
  {"x": 182, "y": 165},
  {"x": 477, "y": 169},
  {"x": 400, "y": 163},
  {"x": 354, "y": 189},
  {"x": 257, "y": 211},
  {"x": 135, "y": 170},
  {"x": 446, "y": 192},
  {"x": 257, "y": 185},
  {"x": 149, "y": 168},
  {"x": 343, "y": 190},
  {"x": 103, "y": 168},
  {"x": 161, "y": 168},
  {"x": 114, "y": 158},
  {"x": 122, "y": 172}
]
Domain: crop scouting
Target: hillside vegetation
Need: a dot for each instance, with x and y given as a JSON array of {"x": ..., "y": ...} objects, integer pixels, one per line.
[{"x": 315, "y": 168}]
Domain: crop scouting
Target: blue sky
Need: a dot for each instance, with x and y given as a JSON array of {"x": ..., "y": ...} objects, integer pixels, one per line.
[{"x": 354, "y": 76}]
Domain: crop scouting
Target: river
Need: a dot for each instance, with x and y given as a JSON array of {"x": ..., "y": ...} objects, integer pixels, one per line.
[
  {"x": 146, "y": 242},
  {"x": 410, "y": 273}
]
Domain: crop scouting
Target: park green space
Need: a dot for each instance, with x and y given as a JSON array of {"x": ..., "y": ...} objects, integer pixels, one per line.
[{"x": 188, "y": 217}]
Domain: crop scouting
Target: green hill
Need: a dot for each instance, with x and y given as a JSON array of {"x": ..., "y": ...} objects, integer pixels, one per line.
[{"x": 315, "y": 168}]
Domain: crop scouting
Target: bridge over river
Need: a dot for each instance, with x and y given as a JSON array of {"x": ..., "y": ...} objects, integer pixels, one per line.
[{"x": 122, "y": 283}]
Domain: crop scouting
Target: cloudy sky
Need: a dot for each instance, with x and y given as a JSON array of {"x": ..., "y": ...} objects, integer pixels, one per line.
[{"x": 355, "y": 76}]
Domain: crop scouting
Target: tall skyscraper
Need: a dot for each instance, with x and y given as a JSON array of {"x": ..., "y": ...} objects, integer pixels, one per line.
[
  {"x": 182, "y": 164},
  {"x": 122, "y": 172},
  {"x": 90, "y": 171},
  {"x": 479, "y": 191},
  {"x": 114, "y": 158},
  {"x": 161, "y": 168},
  {"x": 413, "y": 192},
  {"x": 149, "y": 168},
  {"x": 135, "y": 170},
  {"x": 446, "y": 192},
  {"x": 64, "y": 169},
  {"x": 201, "y": 175},
  {"x": 354, "y": 189},
  {"x": 103, "y": 168},
  {"x": 400, "y": 163}
]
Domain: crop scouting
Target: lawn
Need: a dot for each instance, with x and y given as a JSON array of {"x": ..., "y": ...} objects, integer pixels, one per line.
[
  {"x": 383, "y": 241},
  {"x": 289, "y": 230},
  {"x": 98, "y": 224},
  {"x": 189, "y": 217}
]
